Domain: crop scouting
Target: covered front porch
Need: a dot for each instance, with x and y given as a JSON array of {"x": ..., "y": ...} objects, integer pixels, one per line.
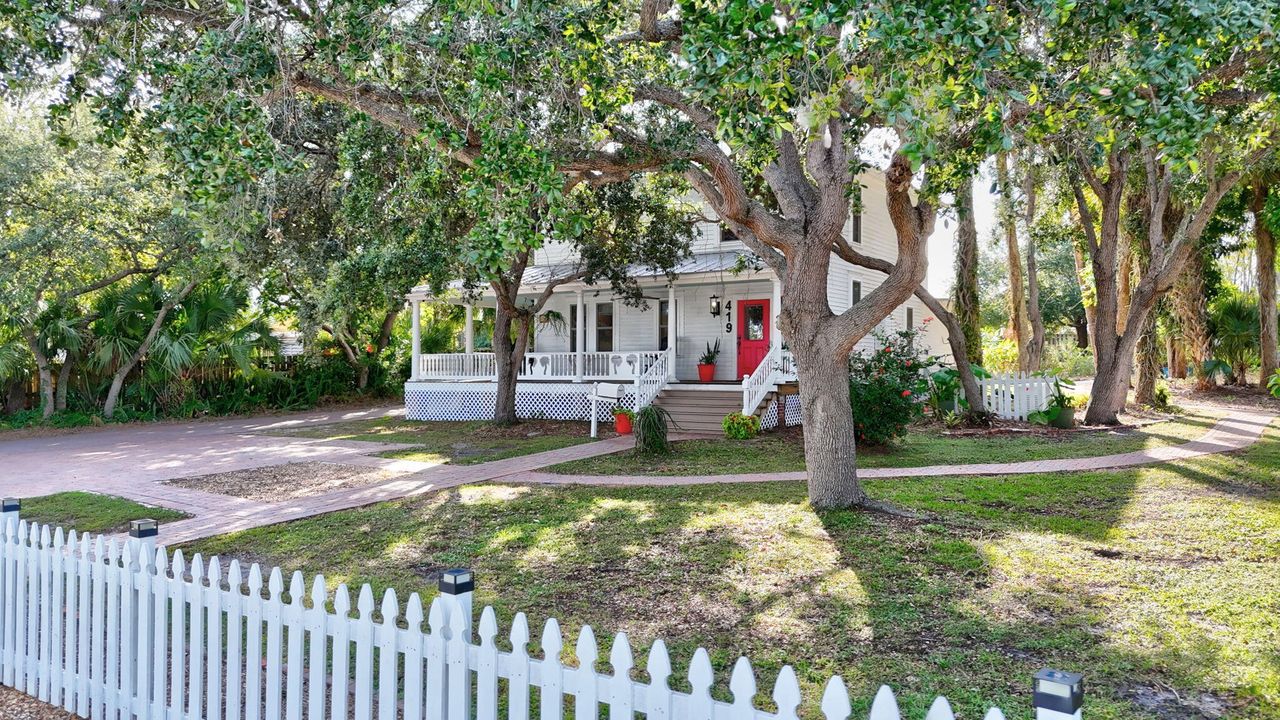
[{"x": 586, "y": 334}]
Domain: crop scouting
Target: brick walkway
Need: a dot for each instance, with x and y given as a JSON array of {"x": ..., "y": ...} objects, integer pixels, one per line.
[{"x": 134, "y": 462}]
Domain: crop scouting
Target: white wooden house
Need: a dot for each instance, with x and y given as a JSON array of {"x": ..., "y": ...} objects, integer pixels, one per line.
[{"x": 654, "y": 349}]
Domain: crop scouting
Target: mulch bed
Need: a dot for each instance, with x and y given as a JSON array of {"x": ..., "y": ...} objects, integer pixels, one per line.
[
  {"x": 19, "y": 706},
  {"x": 279, "y": 483}
]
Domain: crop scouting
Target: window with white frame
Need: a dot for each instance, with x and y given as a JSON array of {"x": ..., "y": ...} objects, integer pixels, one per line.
[{"x": 604, "y": 327}]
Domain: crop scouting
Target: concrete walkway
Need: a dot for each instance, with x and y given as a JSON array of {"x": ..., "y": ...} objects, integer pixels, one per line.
[
  {"x": 1235, "y": 432},
  {"x": 134, "y": 461}
]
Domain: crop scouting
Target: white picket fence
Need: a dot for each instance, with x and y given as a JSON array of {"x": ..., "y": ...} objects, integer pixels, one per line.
[
  {"x": 87, "y": 628},
  {"x": 1014, "y": 396}
]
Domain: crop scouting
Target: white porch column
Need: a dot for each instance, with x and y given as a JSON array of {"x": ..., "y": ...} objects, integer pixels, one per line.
[
  {"x": 416, "y": 371},
  {"x": 470, "y": 331},
  {"x": 775, "y": 336},
  {"x": 671, "y": 332},
  {"x": 580, "y": 335}
]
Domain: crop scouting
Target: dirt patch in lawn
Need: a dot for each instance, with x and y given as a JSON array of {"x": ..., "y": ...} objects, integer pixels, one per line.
[{"x": 280, "y": 483}]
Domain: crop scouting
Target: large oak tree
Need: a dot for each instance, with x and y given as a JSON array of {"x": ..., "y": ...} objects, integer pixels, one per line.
[{"x": 763, "y": 108}]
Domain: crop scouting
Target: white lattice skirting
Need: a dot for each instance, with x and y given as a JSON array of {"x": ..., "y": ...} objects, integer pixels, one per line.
[
  {"x": 474, "y": 401},
  {"x": 770, "y": 417}
]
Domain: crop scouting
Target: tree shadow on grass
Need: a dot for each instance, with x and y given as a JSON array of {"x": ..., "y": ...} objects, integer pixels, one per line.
[{"x": 968, "y": 606}]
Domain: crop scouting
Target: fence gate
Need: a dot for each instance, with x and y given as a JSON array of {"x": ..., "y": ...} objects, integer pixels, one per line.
[{"x": 1014, "y": 396}]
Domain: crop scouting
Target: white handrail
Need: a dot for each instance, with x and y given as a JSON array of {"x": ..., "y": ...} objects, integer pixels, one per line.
[
  {"x": 652, "y": 381},
  {"x": 550, "y": 366},
  {"x": 760, "y": 383}
]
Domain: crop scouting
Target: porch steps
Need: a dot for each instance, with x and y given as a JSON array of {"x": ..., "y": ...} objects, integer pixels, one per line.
[{"x": 700, "y": 409}]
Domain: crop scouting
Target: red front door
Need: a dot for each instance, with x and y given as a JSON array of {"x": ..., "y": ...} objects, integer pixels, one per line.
[{"x": 753, "y": 334}]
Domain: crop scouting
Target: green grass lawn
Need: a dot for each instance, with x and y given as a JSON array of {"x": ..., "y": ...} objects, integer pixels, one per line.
[
  {"x": 1151, "y": 581},
  {"x": 784, "y": 452},
  {"x": 458, "y": 443},
  {"x": 91, "y": 512}
]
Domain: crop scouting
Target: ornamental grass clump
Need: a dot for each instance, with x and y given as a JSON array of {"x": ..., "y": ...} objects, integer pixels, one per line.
[{"x": 651, "y": 426}]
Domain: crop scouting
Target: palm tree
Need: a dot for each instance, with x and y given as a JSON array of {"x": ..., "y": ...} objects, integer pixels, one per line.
[{"x": 1234, "y": 321}]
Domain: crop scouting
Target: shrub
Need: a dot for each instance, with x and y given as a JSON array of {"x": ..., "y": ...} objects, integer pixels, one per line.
[
  {"x": 651, "y": 430},
  {"x": 741, "y": 427},
  {"x": 1066, "y": 360},
  {"x": 886, "y": 387},
  {"x": 1162, "y": 396},
  {"x": 1000, "y": 356}
]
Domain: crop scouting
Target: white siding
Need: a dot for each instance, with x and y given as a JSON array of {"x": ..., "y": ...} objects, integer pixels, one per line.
[{"x": 636, "y": 329}]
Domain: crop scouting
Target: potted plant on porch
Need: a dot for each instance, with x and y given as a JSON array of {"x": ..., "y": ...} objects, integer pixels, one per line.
[
  {"x": 622, "y": 419},
  {"x": 707, "y": 362}
]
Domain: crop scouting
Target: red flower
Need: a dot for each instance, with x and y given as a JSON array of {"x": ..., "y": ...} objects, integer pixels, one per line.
[
  {"x": 908, "y": 363},
  {"x": 369, "y": 348},
  {"x": 906, "y": 393}
]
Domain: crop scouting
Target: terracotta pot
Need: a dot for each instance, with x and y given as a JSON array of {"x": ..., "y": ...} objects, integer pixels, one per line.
[
  {"x": 622, "y": 423},
  {"x": 706, "y": 373}
]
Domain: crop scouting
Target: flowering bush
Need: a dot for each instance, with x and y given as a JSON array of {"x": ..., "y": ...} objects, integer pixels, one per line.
[
  {"x": 887, "y": 387},
  {"x": 741, "y": 427}
]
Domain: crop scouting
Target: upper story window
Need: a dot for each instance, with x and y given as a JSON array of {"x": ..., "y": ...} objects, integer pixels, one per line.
[
  {"x": 911, "y": 318},
  {"x": 727, "y": 235},
  {"x": 855, "y": 292},
  {"x": 856, "y": 231}
]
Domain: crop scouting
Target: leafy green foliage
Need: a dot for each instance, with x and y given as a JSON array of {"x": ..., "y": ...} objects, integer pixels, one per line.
[
  {"x": 741, "y": 427},
  {"x": 1233, "y": 320},
  {"x": 887, "y": 387}
]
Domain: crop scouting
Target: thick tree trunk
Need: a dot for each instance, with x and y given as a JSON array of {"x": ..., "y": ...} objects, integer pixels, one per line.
[
  {"x": 511, "y": 330},
  {"x": 1089, "y": 303},
  {"x": 64, "y": 380},
  {"x": 1081, "y": 327},
  {"x": 830, "y": 451},
  {"x": 1018, "y": 327},
  {"x": 1265, "y": 254},
  {"x": 967, "y": 299},
  {"x": 43, "y": 371},
  {"x": 1144, "y": 392},
  {"x": 1193, "y": 317},
  {"x": 1124, "y": 285},
  {"x": 1035, "y": 345}
]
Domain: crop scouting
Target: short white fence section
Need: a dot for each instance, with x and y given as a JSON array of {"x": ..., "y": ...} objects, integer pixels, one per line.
[
  {"x": 112, "y": 630},
  {"x": 1014, "y": 396}
]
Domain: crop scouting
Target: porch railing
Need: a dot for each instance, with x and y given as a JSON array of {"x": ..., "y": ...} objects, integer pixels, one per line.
[
  {"x": 541, "y": 366},
  {"x": 652, "y": 381},
  {"x": 777, "y": 366}
]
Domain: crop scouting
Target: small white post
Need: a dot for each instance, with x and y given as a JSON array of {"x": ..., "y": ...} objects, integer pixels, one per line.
[
  {"x": 470, "y": 332},
  {"x": 416, "y": 370},
  {"x": 580, "y": 335},
  {"x": 595, "y": 408},
  {"x": 457, "y": 589},
  {"x": 143, "y": 536}
]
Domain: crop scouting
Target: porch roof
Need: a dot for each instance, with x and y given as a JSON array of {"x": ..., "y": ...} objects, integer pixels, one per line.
[{"x": 696, "y": 264}]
